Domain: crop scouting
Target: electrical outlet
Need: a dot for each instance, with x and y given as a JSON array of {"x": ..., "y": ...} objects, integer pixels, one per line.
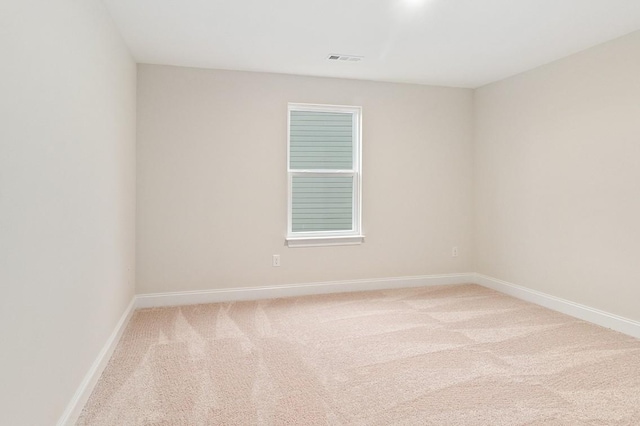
[
  {"x": 454, "y": 252},
  {"x": 275, "y": 260}
]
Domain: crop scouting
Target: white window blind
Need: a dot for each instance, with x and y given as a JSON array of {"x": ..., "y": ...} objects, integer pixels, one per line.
[
  {"x": 322, "y": 203},
  {"x": 324, "y": 174}
]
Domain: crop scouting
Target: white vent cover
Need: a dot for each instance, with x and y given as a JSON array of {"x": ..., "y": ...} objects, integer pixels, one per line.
[{"x": 345, "y": 58}]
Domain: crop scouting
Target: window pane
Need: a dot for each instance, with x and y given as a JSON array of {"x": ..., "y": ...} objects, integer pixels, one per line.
[
  {"x": 321, "y": 140},
  {"x": 322, "y": 203}
]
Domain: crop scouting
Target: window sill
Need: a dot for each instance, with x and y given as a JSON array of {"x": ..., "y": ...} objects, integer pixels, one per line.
[{"x": 347, "y": 240}]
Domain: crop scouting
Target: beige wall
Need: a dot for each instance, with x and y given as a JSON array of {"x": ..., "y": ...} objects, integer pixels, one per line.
[
  {"x": 557, "y": 194},
  {"x": 67, "y": 197},
  {"x": 212, "y": 191}
]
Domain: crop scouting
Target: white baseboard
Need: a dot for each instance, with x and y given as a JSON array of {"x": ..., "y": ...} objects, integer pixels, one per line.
[
  {"x": 586, "y": 313},
  {"x": 577, "y": 310},
  {"x": 75, "y": 406},
  {"x": 253, "y": 293},
  {"x": 596, "y": 316}
]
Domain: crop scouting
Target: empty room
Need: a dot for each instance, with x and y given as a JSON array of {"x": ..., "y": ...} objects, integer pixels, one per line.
[{"x": 338, "y": 212}]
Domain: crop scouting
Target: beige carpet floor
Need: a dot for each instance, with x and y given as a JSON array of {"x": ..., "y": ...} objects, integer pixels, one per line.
[{"x": 427, "y": 356}]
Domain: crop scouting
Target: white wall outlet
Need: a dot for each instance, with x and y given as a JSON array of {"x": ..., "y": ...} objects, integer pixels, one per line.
[
  {"x": 454, "y": 252},
  {"x": 275, "y": 260}
]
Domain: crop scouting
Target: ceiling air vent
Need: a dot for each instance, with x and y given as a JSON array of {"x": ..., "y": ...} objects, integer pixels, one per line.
[{"x": 345, "y": 58}]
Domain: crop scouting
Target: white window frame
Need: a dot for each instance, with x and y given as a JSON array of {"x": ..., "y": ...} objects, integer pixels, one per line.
[{"x": 327, "y": 238}]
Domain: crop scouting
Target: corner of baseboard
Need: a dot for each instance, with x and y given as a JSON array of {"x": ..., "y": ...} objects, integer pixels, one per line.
[
  {"x": 577, "y": 310},
  {"x": 75, "y": 406}
]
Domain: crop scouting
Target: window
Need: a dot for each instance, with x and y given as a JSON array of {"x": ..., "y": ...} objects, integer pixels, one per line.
[{"x": 324, "y": 147}]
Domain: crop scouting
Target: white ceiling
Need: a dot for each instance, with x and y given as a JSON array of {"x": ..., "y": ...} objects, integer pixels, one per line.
[{"x": 463, "y": 43}]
